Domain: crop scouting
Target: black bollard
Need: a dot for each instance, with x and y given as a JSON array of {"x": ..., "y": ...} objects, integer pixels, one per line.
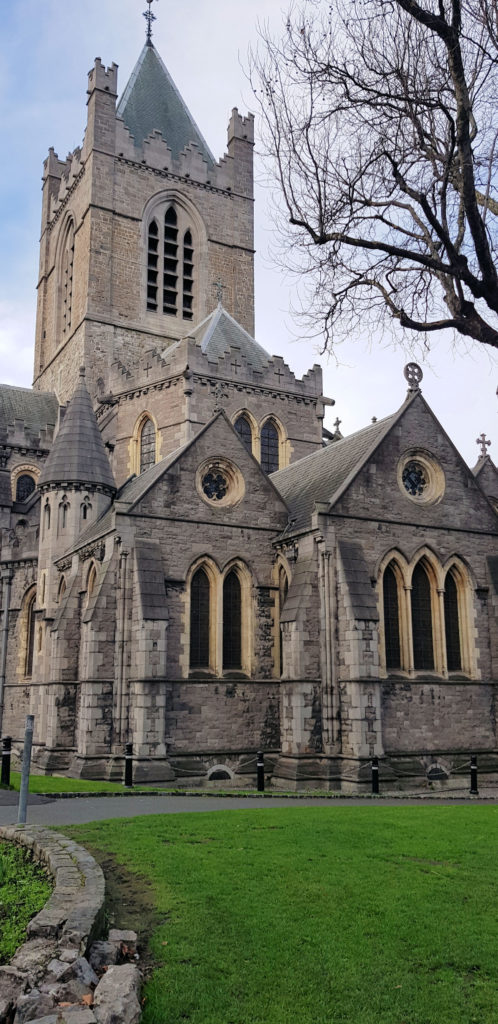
[
  {"x": 128, "y": 773},
  {"x": 473, "y": 776},
  {"x": 260, "y": 766},
  {"x": 6, "y": 749},
  {"x": 375, "y": 775}
]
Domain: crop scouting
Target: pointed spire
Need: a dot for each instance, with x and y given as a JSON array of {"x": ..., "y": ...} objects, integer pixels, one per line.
[
  {"x": 151, "y": 102},
  {"x": 78, "y": 455}
]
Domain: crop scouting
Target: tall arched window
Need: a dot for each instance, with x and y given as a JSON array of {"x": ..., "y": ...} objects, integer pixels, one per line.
[
  {"x": 67, "y": 262},
  {"x": 46, "y": 517},
  {"x": 63, "y": 514},
  {"x": 391, "y": 619},
  {"x": 147, "y": 445},
  {"x": 170, "y": 262},
  {"x": 86, "y": 508},
  {"x": 25, "y": 486},
  {"x": 269, "y": 447},
  {"x": 423, "y": 646},
  {"x": 200, "y": 593},
  {"x": 232, "y": 622},
  {"x": 30, "y": 634},
  {"x": 452, "y": 624},
  {"x": 243, "y": 428},
  {"x": 62, "y": 589},
  {"x": 283, "y": 589}
]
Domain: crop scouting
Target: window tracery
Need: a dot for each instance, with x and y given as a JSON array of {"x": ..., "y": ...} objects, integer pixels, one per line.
[
  {"x": 25, "y": 485},
  {"x": 147, "y": 445},
  {"x": 270, "y": 448},
  {"x": 219, "y": 611}
]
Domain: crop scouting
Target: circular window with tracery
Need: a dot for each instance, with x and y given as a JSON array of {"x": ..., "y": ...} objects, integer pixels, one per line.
[
  {"x": 219, "y": 482},
  {"x": 420, "y": 477}
]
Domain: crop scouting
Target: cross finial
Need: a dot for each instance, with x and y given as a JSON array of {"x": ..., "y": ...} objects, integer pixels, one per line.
[
  {"x": 337, "y": 423},
  {"x": 220, "y": 288},
  {"x": 149, "y": 17},
  {"x": 413, "y": 374},
  {"x": 484, "y": 444}
]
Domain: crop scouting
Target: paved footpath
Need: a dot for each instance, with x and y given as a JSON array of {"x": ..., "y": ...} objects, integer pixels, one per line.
[{"x": 79, "y": 810}]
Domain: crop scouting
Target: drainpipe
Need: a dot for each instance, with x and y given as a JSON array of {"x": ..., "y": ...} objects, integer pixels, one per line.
[{"x": 7, "y": 578}]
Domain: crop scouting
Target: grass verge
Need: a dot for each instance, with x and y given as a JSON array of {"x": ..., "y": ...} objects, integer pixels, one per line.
[
  {"x": 324, "y": 915},
  {"x": 24, "y": 889}
]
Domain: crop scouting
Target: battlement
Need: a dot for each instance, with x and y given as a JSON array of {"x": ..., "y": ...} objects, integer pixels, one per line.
[
  {"x": 240, "y": 127},
  {"x": 102, "y": 78}
]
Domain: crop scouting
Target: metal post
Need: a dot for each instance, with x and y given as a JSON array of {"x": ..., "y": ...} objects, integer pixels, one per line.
[
  {"x": 260, "y": 767},
  {"x": 6, "y": 749},
  {"x": 473, "y": 776},
  {"x": 26, "y": 762},
  {"x": 375, "y": 775},
  {"x": 128, "y": 779}
]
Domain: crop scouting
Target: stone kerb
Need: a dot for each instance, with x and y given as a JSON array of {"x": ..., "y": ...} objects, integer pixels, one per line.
[{"x": 49, "y": 980}]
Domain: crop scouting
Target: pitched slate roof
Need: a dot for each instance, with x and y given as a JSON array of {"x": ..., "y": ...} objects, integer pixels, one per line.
[
  {"x": 151, "y": 102},
  {"x": 78, "y": 454},
  {"x": 320, "y": 476},
  {"x": 219, "y": 333},
  {"x": 37, "y": 409}
]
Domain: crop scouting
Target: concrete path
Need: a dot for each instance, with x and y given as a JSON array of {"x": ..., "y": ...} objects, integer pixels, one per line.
[{"x": 79, "y": 810}]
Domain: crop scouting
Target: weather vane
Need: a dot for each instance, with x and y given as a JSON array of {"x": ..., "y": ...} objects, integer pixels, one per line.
[{"x": 149, "y": 17}]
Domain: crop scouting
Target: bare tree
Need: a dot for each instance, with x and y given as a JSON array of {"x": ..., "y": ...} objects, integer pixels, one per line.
[{"x": 381, "y": 119}]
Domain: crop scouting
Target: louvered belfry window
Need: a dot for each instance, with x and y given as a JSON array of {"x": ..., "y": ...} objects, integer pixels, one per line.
[
  {"x": 67, "y": 278},
  {"x": 188, "y": 275},
  {"x": 152, "y": 265},
  {"x": 147, "y": 445},
  {"x": 423, "y": 647},
  {"x": 391, "y": 619},
  {"x": 243, "y": 428},
  {"x": 199, "y": 620},
  {"x": 232, "y": 622},
  {"x": 170, "y": 277},
  {"x": 269, "y": 448},
  {"x": 452, "y": 625}
]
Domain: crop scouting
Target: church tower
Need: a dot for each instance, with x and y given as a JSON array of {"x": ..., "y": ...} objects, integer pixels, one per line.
[{"x": 137, "y": 226}]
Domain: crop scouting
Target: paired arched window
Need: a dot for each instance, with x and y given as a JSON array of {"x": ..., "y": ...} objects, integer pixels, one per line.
[
  {"x": 170, "y": 263},
  {"x": 25, "y": 485},
  {"x": 147, "y": 445},
  {"x": 211, "y": 597},
  {"x": 268, "y": 444},
  {"x": 426, "y": 618}
]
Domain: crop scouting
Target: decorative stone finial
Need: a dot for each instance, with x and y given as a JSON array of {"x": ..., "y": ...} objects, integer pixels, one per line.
[
  {"x": 483, "y": 445},
  {"x": 413, "y": 374},
  {"x": 220, "y": 288},
  {"x": 149, "y": 17}
]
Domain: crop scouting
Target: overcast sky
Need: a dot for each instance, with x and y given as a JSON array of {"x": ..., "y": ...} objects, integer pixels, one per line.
[{"x": 47, "y": 49}]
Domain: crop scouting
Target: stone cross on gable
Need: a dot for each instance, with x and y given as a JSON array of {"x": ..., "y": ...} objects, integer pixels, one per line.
[
  {"x": 220, "y": 288},
  {"x": 483, "y": 444}
]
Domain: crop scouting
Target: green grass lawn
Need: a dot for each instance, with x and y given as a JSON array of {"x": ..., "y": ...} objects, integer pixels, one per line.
[
  {"x": 314, "y": 915},
  {"x": 24, "y": 889},
  {"x": 59, "y": 784}
]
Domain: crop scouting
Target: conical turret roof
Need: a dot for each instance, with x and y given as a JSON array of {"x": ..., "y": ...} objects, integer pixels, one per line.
[
  {"x": 78, "y": 455},
  {"x": 152, "y": 102}
]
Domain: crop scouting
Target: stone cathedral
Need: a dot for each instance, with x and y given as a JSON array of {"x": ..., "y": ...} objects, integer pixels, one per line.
[{"x": 189, "y": 561}]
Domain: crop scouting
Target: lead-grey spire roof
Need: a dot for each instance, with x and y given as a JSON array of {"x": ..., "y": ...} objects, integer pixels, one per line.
[
  {"x": 151, "y": 102},
  {"x": 78, "y": 455}
]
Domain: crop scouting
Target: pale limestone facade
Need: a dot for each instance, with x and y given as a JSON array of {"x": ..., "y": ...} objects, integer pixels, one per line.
[{"x": 150, "y": 484}]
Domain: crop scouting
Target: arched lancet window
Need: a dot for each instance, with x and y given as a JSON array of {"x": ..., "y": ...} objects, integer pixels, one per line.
[
  {"x": 200, "y": 594},
  {"x": 269, "y": 448},
  {"x": 62, "y": 589},
  {"x": 67, "y": 263},
  {"x": 283, "y": 589},
  {"x": 391, "y": 618},
  {"x": 243, "y": 428},
  {"x": 91, "y": 581},
  {"x": 86, "y": 508},
  {"x": 25, "y": 486},
  {"x": 452, "y": 624},
  {"x": 232, "y": 622},
  {"x": 170, "y": 262},
  {"x": 63, "y": 514},
  {"x": 147, "y": 445},
  {"x": 46, "y": 517},
  {"x": 30, "y": 634},
  {"x": 423, "y": 646}
]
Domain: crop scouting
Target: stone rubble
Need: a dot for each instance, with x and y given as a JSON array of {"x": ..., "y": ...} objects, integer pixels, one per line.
[{"x": 60, "y": 975}]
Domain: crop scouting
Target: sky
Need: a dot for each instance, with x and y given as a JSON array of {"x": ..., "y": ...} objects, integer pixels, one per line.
[{"x": 47, "y": 50}]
